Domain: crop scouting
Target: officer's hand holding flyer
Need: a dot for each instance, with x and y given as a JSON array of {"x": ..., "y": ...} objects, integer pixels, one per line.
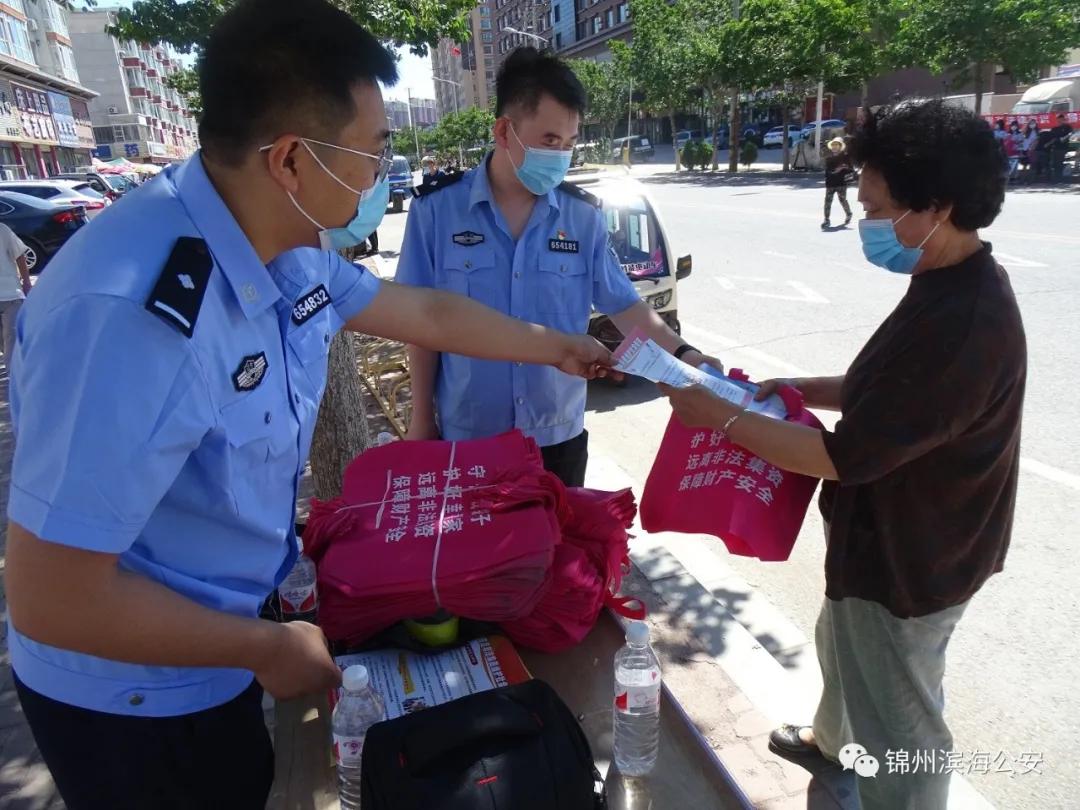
[{"x": 642, "y": 357}]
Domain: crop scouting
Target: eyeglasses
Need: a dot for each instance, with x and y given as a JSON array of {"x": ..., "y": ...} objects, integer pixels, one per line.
[{"x": 385, "y": 160}]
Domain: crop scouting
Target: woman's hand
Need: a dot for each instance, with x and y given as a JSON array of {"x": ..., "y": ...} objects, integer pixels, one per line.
[
  {"x": 697, "y": 406},
  {"x": 770, "y": 387}
]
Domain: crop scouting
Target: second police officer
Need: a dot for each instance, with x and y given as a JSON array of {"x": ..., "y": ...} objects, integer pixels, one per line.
[{"x": 512, "y": 235}]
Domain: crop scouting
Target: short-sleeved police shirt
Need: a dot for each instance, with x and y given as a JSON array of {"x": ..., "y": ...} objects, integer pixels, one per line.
[
  {"x": 181, "y": 454},
  {"x": 560, "y": 267}
]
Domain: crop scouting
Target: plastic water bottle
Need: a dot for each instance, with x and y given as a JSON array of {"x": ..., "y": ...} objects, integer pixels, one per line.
[
  {"x": 299, "y": 599},
  {"x": 358, "y": 710},
  {"x": 637, "y": 703}
]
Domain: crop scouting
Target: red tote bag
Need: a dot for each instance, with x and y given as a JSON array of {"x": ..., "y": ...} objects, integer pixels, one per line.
[{"x": 702, "y": 483}]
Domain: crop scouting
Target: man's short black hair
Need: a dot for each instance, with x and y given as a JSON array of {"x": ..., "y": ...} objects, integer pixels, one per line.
[
  {"x": 528, "y": 74},
  {"x": 274, "y": 66},
  {"x": 934, "y": 154}
]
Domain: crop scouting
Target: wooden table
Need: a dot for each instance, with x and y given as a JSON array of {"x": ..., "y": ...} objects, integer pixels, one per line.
[{"x": 686, "y": 776}]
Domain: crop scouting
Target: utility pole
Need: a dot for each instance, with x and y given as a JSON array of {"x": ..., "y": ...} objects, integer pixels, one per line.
[{"x": 412, "y": 126}]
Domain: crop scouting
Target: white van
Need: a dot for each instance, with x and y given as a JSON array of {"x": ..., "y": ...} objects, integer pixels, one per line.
[{"x": 1050, "y": 96}]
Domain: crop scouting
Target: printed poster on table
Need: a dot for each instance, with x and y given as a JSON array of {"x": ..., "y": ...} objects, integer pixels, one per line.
[{"x": 409, "y": 681}]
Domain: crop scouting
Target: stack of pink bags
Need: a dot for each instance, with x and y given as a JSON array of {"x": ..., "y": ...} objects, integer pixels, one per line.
[
  {"x": 477, "y": 528},
  {"x": 470, "y": 527}
]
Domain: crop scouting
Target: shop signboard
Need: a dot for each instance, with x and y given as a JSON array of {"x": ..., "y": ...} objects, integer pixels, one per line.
[
  {"x": 34, "y": 115},
  {"x": 64, "y": 119},
  {"x": 84, "y": 129},
  {"x": 10, "y": 123}
]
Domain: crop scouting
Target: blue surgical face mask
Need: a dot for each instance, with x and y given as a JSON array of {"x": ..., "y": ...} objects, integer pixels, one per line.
[
  {"x": 369, "y": 214},
  {"x": 542, "y": 169},
  {"x": 370, "y": 208},
  {"x": 883, "y": 248}
]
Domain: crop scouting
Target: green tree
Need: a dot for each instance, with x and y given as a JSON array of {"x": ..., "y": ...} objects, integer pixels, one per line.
[
  {"x": 468, "y": 129},
  {"x": 658, "y": 56},
  {"x": 186, "y": 82},
  {"x": 185, "y": 24},
  {"x": 969, "y": 36},
  {"x": 607, "y": 86}
]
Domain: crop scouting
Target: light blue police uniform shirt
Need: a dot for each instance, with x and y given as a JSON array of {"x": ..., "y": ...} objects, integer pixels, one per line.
[
  {"x": 560, "y": 267},
  {"x": 136, "y": 440}
]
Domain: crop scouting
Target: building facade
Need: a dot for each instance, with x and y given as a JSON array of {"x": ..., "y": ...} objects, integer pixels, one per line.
[
  {"x": 44, "y": 118},
  {"x": 596, "y": 23},
  {"x": 422, "y": 113},
  {"x": 465, "y": 73},
  {"x": 135, "y": 115}
]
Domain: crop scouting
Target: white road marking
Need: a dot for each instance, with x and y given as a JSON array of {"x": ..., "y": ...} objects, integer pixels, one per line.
[
  {"x": 790, "y": 256},
  {"x": 1036, "y": 237},
  {"x": 1009, "y": 260},
  {"x": 805, "y": 295},
  {"x": 1052, "y": 473},
  {"x": 785, "y": 369}
]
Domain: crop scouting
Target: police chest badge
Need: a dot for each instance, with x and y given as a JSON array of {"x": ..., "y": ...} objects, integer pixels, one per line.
[
  {"x": 310, "y": 305},
  {"x": 560, "y": 244},
  {"x": 250, "y": 373},
  {"x": 468, "y": 238}
]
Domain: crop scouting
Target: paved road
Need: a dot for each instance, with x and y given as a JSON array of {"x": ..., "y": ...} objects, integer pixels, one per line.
[{"x": 772, "y": 293}]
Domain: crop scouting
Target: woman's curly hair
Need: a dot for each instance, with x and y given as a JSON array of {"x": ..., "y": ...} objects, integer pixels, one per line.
[{"x": 934, "y": 154}]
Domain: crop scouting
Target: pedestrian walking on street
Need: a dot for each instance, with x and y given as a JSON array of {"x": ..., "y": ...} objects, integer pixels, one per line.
[
  {"x": 1057, "y": 146},
  {"x": 1013, "y": 146},
  {"x": 168, "y": 372},
  {"x": 14, "y": 287},
  {"x": 1027, "y": 150},
  {"x": 921, "y": 470},
  {"x": 838, "y": 171}
]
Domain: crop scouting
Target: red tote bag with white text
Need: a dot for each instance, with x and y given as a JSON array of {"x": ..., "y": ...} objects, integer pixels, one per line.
[{"x": 702, "y": 483}]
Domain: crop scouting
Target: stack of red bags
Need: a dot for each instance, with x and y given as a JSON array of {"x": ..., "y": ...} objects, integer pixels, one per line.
[
  {"x": 477, "y": 528},
  {"x": 586, "y": 572},
  {"x": 470, "y": 527}
]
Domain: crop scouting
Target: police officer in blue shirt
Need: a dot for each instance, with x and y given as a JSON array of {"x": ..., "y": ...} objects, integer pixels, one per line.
[
  {"x": 510, "y": 234},
  {"x": 166, "y": 380}
]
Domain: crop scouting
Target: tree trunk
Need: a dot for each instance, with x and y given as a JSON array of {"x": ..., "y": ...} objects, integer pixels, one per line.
[
  {"x": 864, "y": 100},
  {"x": 785, "y": 116},
  {"x": 733, "y": 135},
  {"x": 978, "y": 80},
  {"x": 674, "y": 144},
  {"x": 717, "y": 112},
  {"x": 341, "y": 431}
]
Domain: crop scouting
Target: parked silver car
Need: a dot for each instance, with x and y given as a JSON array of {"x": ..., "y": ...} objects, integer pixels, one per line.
[{"x": 61, "y": 192}]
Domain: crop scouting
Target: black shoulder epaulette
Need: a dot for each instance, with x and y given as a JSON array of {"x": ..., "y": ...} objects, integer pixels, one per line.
[
  {"x": 437, "y": 184},
  {"x": 574, "y": 190},
  {"x": 178, "y": 295}
]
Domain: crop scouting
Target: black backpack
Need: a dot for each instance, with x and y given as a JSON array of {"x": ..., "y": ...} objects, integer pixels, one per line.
[{"x": 514, "y": 748}]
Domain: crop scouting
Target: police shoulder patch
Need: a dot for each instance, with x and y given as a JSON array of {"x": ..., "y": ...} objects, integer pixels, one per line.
[
  {"x": 574, "y": 190},
  {"x": 178, "y": 294},
  {"x": 437, "y": 184}
]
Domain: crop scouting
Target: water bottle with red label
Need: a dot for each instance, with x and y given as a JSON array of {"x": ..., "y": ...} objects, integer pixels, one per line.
[
  {"x": 297, "y": 593},
  {"x": 636, "y": 739},
  {"x": 359, "y": 708}
]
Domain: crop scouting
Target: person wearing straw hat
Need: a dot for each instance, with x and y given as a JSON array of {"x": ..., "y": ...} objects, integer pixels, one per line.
[{"x": 838, "y": 169}]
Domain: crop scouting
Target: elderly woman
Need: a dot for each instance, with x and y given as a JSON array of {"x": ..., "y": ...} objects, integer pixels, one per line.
[{"x": 921, "y": 470}]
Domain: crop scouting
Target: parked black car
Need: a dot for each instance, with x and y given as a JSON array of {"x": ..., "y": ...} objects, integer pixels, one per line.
[{"x": 42, "y": 225}]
